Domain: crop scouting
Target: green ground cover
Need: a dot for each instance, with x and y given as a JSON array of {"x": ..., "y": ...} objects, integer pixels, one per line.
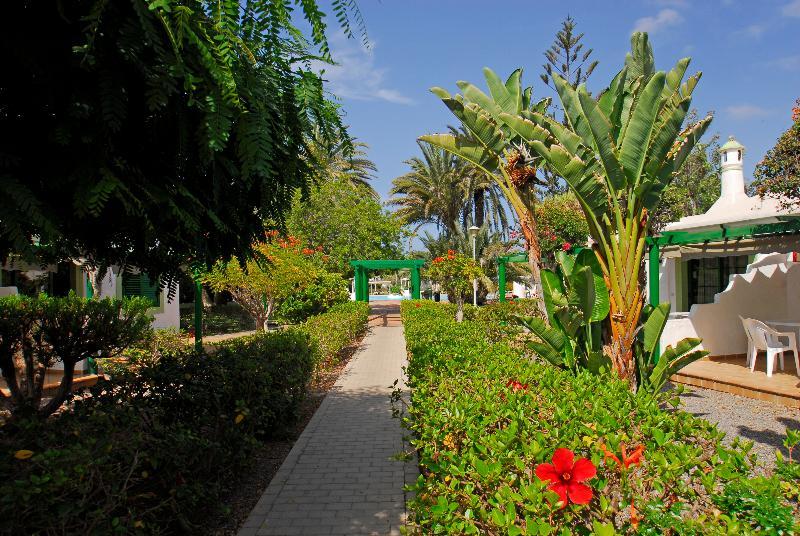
[{"x": 487, "y": 421}]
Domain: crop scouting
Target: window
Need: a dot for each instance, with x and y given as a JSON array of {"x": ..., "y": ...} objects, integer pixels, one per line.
[
  {"x": 708, "y": 277},
  {"x": 724, "y": 157},
  {"x": 134, "y": 285},
  {"x": 740, "y": 155}
]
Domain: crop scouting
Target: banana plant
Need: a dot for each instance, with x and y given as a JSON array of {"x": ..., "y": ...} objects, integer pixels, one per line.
[
  {"x": 653, "y": 373},
  {"x": 577, "y": 303},
  {"x": 617, "y": 153},
  {"x": 497, "y": 149}
]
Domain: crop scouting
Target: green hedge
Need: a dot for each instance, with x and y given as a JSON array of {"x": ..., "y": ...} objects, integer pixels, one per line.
[
  {"x": 484, "y": 416},
  {"x": 337, "y": 329},
  {"x": 151, "y": 450}
]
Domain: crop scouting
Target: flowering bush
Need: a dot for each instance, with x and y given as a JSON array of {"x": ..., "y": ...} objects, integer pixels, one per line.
[
  {"x": 279, "y": 270},
  {"x": 566, "y": 454},
  {"x": 562, "y": 225},
  {"x": 455, "y": 273}
]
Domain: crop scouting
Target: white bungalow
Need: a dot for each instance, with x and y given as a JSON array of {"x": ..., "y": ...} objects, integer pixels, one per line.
[
  {"x": 18, "y": 277},
  {"x": 737, "y": 260}
]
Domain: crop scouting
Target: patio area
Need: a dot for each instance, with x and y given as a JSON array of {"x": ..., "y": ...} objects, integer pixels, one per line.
[{"x": 730, "y": 375}]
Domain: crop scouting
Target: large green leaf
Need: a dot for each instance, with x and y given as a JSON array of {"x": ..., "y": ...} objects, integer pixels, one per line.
[
  {"x": 508, "y": 96},
  {"x": 600, "y": 127},
  {"x": 673, "y": 359},
  {"x": 552, "y": 343},
  {"x": 553, "y": 293},
  {"x": 468, "y": 150},
  {"x": 636, "y": 141},
  {"x": 581, "y": 294},
  {"x": 653, "y": 329},
  {"x": 524, "y": 128},
  {"x": 566, "y": 262},
  {"x": 572, "y": 109},
  {"x": 610, "y": 101},
  {"x": 602, "y": 302}
]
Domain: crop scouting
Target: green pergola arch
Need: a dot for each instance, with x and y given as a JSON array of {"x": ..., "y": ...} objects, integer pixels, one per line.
[
  {"x": 501, "y": 271},
  {"x": 363, "y": 267}
]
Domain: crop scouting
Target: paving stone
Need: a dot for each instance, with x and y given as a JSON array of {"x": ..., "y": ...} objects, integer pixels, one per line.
[{"x": 339, "y": 477}]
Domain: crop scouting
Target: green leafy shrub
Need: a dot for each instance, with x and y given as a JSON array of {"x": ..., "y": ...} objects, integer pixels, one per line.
[
  {"x": 38, "y": 332},
  {"x": 484, "y": 416},
  {"x": 152, "y": 448},
  {"x": 337, "y": 329},
  {"x": 318, "y": 295}
]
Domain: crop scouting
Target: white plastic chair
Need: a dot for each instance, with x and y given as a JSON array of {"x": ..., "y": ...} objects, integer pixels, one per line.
[
  {"x": 767, "y": 339},
  {"x": 751, "y": 350}
]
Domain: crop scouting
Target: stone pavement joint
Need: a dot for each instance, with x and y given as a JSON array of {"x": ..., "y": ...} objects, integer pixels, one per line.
[{"x": 341, "y": 478}]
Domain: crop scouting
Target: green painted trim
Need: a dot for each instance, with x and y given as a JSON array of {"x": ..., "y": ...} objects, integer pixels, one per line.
[
  {"x": 501, "y": 280},
  {"x": 653, "y": 266},
  {"x": 683, "y": 238},
  {"x": 516, "y": 257},
  {"x": 415, "y": 283},
  {"x": 388, "y": 264}
]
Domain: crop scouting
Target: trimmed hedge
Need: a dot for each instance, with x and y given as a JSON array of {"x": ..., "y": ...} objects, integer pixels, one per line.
[
  {"x": 337, "y": 329},
  {"x": 152, "y": 449},
  {"x": 484, "y": 416}
]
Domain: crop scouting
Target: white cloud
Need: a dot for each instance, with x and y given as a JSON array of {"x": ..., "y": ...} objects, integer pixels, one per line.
[
  {"x": 792, "y": 9},
  {"x": 356, "y": 76},
  {"x": 754, "y": 30},
  {"x": 746, "y": 111},
  {"x": 787, "y": 63},
  {"x": 663, "y": 19},
  {"x": 671, "y": 3}
]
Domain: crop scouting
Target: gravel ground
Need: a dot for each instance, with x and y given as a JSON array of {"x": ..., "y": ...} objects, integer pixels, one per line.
[{"x": 762, "y": 422}]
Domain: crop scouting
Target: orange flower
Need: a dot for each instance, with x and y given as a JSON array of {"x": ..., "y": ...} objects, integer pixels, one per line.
[
  {"x": 308, "y": 251},
  {"x": 634, "y": 517},
  {"x": 635, "y": 457}
]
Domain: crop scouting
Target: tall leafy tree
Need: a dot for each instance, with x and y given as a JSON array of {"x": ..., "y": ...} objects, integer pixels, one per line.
[
  {"x": 440, "y": 190},
  {"x": 346, "y": 223},
  {"x": 496, "y": 149},
  {"x": 778, "y": 174},
  {"x": 156, "y": 133},
  {"x": 618, "y": 154},
  {"x": 341, "y": 158},
  {"x": 566, "y": 58}
]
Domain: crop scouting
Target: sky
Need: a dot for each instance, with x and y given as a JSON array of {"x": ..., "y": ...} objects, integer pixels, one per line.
[{"x": 748, "y": 51}]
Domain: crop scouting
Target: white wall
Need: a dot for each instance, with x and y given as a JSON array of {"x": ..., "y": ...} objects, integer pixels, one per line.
[
  {"x": 769, "y": 290},
  {"x": 168, "y": 315}
]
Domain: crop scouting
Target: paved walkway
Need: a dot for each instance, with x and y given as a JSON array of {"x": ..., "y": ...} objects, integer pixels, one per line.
[{"x": 340, "y": 478}]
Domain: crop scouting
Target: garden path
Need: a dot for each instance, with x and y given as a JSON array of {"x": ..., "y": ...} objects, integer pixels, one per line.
[{"x": 340, "y": 477}]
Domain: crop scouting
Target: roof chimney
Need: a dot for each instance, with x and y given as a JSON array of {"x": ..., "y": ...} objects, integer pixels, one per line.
[{"x": 732, "y": 153}]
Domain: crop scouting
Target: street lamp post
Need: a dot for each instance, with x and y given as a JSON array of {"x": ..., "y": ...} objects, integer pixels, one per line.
[{"x": 473, "y": 233}]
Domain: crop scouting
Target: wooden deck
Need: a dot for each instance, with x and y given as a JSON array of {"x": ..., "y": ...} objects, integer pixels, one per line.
[{"x": 729, "y": 374}]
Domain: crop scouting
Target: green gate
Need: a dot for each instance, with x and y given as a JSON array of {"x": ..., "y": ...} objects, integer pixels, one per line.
[{"x": 362, "y": 269}]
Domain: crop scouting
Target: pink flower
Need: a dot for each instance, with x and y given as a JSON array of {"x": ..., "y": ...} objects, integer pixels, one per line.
[{"x": 566, "y": 246}]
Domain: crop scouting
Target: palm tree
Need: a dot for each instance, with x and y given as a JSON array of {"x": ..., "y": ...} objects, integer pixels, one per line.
[
  {"x": 340, "y": 158},
  {"x": 440, "y": 188}
]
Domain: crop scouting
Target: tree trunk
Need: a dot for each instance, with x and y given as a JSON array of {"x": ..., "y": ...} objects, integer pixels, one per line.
[
  {"x": 479, "y": 205},
  {"x": 534, "y": 262},
  {"x": 63, "y": 390},
  {"x": 459, "y": 308}
]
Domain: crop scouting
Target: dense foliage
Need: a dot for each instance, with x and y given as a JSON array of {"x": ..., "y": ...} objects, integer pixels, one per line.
[
  {"x": 38, "y": 332},
  {"x": 157, "y": 133},
  {"x": 280, "y": 270},
  {"x": 346, "y": 222},
  {"x": 152, "y": 449},
  {"x": 448, "y": 191},
  {"x": 338, "y": 328},
  {"x": 778, "y": 174},
  {"x": 561, "y": 225},
  {"x": 487, "y": 423},
  {"x": 455, "y": 273}
]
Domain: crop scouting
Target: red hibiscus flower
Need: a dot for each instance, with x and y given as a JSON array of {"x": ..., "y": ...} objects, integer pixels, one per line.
[
  {"x": 566, "y": 246},
  {"x": 566, "y": 475},
  {"x": 515, "y": 386},
  {"x": 438, "y": 259}
]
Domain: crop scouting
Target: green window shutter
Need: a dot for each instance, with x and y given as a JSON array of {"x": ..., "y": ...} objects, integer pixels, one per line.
[{"x": 134, "y": 285}]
